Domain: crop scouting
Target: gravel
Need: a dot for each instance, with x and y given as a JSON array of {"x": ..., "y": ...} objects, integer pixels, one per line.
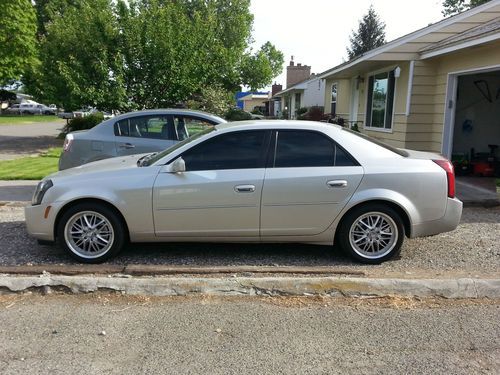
[{"x": 473, "y": 247}]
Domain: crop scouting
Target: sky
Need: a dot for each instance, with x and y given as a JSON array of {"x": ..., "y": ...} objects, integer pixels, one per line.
[{"x": 316, "y": 32}]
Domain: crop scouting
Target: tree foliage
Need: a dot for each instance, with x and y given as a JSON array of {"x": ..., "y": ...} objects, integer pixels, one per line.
[
  {"x": 452, "y": 7},
  {"x": 17, "y": 39},
  {"x": 146, "y": 53},
  {"x": 370, "y": 34}
]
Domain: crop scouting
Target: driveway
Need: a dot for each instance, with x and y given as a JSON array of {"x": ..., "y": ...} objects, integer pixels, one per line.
[
  {"x": 471, "y": 249},
  {"x": 28, "y": 139}
]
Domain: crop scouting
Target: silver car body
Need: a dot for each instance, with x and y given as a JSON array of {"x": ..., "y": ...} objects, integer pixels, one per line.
[
  {"x": 102, "y": 141},
  {"x": 286, "y": 205}
]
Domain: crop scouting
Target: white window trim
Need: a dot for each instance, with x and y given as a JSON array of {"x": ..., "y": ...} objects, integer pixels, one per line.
[
  {"x": 336, "y": 83},
  {"x": 372, "y": 128}
]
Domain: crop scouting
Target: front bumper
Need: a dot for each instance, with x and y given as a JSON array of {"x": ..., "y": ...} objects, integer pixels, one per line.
[
  {"x": 38, "y": 226},
  {"x": 447, "y": 223}
]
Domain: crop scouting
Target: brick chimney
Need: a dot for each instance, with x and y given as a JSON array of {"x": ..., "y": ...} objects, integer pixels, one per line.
[
  {"x": 296, "y": 73},
  {"x": 276, "y": 88}
]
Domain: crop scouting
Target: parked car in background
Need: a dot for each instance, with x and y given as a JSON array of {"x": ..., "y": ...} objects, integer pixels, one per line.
[
  {"x": 133, "y": 133},
  {"x": 68, "y": 115},
  {"x": 12, "y": 110},
  {"x": 35, "y": 109},
  {"x": 255, "y": 181}
]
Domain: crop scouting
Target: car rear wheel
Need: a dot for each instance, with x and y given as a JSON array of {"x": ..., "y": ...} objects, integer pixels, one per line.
[
  {"x": 91, "y": 233},
  {"x": 372, "y": 233}
]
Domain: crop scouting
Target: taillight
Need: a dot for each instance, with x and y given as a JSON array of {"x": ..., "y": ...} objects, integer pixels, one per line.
[
  {"x": 67, "y": 142},
  {"x": 450, "y": 175}
]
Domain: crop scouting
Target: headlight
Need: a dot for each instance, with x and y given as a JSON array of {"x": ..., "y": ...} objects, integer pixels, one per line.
[{"x": 40, "y": 191}]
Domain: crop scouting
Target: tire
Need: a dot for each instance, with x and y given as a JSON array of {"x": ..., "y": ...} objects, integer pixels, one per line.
[
  {"x": 372, "y": 233},
  {"x": 91, "y": 233}
]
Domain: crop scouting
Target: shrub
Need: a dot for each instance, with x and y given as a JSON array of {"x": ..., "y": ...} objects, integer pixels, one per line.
[
  {"x": 237, "y": 114},
  {"x": 301, "y": 111},
  {"x": 213, "y": 99},
  {"x": 83, "y": 123},
  {"x": 314, "y": 113}
]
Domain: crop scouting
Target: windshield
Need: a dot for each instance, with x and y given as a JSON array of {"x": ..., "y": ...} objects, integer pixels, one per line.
[
  {"x": 379, "y": 143},
  {"x": 171, "y": 149}
]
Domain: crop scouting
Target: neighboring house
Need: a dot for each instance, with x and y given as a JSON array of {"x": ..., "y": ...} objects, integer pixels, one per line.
[
  {"x": 436, "y": 89},
  {"x": 304, "y": 94},
  {"x": 252, "y": 100},
  {"x": 303, "y": 89},
  {"x": 240, "y": 95}
]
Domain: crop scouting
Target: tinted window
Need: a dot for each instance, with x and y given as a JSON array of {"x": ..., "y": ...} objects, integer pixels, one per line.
[
  {"x": 156, "y": 127},
  {"x": 303, "y": 149},
  {"x": 236, "y": 150},
  {"x": 308, "y": 149}
]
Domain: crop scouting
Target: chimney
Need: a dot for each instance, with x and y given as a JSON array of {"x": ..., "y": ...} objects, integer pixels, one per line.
[
  {"x": 295, "y": 74},
  {"x": 275, "y": 88}
]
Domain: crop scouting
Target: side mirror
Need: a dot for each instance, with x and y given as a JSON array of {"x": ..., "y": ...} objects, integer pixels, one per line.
[{"x": 177, "y": 166}]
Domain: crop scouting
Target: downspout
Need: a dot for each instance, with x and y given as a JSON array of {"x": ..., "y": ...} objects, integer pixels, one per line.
[{"x": 410, "y": 88}]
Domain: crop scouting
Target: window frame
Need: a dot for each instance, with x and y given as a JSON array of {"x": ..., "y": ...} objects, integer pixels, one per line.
[
  {"x": 273, "y": 147},
  {"x": 334, "y": 84},
  {"x": 369, "y": 102}
]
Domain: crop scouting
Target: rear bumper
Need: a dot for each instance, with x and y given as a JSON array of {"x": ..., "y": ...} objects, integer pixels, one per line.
[{"x": 447, "y": 223}]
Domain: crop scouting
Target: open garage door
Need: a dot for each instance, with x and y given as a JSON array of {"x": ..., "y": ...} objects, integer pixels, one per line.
[{"x": 472, "y": 135}]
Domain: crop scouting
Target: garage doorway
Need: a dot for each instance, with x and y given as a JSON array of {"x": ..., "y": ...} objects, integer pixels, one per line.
[{"x": 472, "y": 122}]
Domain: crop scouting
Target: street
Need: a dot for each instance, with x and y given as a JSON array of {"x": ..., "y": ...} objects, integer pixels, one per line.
[{"x": 115, "y": 334}]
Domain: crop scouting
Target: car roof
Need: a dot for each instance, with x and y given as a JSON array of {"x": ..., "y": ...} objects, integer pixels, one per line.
[
  {"x": 273, "y": 124},
  {"x": 171, "y": 111}
]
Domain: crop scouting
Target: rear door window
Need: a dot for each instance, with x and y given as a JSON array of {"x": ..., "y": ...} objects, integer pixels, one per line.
[
  {"x": 153, "y": 127},
  {"x": 302, "y": 148}
]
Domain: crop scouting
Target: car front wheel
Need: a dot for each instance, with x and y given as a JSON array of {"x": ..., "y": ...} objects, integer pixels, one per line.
[
  {"x": 91, "y": 233},
  {"x": 372, "y": 233}
]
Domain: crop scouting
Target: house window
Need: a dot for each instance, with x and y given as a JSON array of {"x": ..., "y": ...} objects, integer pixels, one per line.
[
  {"x": 333, "y": 108},
  {"x": 380, "y": 100}
]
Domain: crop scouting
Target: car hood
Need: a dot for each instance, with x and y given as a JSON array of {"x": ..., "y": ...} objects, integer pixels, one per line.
[{"x": 101, "y": 166}]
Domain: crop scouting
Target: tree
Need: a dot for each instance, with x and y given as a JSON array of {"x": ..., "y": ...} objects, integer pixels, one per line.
[
  {"x": 370, "y": 35},
  {"x": 452, "y": 7},
  {"x": 17, "y": 39},
  {"x": 147, "y": 53},
  {"x": 80, "y": 59}
]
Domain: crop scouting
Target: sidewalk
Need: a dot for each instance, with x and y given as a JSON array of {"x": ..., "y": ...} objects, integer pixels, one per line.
[{"x": 17, "y": 191}]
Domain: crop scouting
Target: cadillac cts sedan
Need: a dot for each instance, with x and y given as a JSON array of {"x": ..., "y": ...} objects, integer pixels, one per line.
[
  {"x": 133, "y": 133},
  {"x": 255, "y": 181}
]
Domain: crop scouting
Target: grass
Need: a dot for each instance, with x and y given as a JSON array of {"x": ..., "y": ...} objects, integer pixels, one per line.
[
  {"x": 31, "y": 168},
  {"x": 26, "y": 119}
]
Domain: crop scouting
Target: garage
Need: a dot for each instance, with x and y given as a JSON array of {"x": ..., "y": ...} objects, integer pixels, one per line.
[{"x": 476, "y": 130}]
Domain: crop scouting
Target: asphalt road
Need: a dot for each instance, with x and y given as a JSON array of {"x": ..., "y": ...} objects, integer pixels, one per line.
[
  {"x": 102, "y": 334},
  {"x": 28, "y": 139},
  {"x": 472, "y": 248}
]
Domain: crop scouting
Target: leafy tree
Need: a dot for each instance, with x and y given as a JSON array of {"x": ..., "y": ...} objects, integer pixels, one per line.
[
  {"x": 259, "y": 69},
  {"x": 452, "y": 7},
  {"x": 370, "y": 34},
  {"x": 146, "y": 53},
  {"x": 80, "y": 59},
  {"x": 17, "y": 39}
]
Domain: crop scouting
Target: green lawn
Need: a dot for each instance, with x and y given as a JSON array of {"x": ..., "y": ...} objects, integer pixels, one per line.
[
  {"x": 30, "y": 168},
  {"x": 26, "y": 119}
]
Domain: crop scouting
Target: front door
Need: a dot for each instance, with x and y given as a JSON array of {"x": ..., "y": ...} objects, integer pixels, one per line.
[
  {"x": 219, "y": 193},
  {"x": 309, "y": 182}
]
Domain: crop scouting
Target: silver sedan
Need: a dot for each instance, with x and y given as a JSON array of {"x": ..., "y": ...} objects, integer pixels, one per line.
[
  {"x": 256, "y": 181},
  {"x": 133, "y": 133}
]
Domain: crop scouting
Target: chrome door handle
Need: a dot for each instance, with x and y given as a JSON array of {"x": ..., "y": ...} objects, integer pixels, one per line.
[
  {"x": 337, "y": 183},
  {"x": 127, "y": 145},
  {"x": 244, "y": 188}
]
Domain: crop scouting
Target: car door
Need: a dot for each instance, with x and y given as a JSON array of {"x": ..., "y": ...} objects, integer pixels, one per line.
[
  {"x": 307, "y": 183},
  {"x": 219, "y": 193},
  {"x": 142, "y": 134}
]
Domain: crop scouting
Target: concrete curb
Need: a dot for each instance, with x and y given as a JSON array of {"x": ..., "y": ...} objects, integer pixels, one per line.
[{"x": 254, "y": 286}]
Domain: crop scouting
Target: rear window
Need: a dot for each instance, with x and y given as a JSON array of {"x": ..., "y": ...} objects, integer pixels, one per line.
[{"x": 378, "y": 143}]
